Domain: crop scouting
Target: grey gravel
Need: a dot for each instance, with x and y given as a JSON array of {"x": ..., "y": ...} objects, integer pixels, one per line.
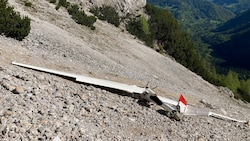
[{"x": 41, "y": 106}]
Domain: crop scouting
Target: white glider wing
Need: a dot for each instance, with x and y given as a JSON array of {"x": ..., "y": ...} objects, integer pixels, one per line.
[
  {"x": 110, "y": 84},
  {"x": 171, "y": 106}
]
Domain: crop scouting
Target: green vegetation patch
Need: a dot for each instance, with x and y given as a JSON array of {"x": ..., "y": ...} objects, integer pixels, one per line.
[
  {"x": 140, "y": 27},
  {"x": 62, "y": 3},
  {"x": 107, "y": 13},
  {"x": 11, "y": 23},
  {"x": 78, "y": 15},
  {"x": 27, "y": 3}
]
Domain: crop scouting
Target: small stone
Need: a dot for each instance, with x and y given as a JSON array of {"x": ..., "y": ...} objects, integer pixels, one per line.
[
  {"x": 58, "y": 123},
  {"x": 9, "y": 87},
  {"x": 82, "y": 131},
  {"x": 84, "y": 97},
  {"x": 201, "y": 139},
  {"x": 132, "y": 119},
  {"x": 65, "y": 130},
  {"x": 41, "y": 130},
  {"x": 3, "y": 120},
  {"x": 248, "y": 123},
  {"x": 12, "y": 134},
  {"x": 56, "y": 139},
  {"x": 18, "y": 90},
  {"x": 84, "y": 112},
  {"x": 7, "y": 113},
  {"x": 40, "y": 77},
  {"x": 223, "y": 111},
  {"x": 4, "y": 130}
]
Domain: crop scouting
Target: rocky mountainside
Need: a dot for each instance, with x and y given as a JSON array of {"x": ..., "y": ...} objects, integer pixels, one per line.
[
  {"x": 41, "y": 106},
  {"x": 123, "y": 7}
]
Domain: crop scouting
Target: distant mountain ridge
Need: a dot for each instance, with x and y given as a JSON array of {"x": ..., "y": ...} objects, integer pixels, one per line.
[
  {"x": 199, "y": 9},
  {"x": 237, "y": 24},
  {"x": 236, "y": 6}
]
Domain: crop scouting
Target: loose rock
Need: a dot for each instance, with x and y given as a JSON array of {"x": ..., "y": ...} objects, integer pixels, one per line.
[{"x": 18, "y": 90}]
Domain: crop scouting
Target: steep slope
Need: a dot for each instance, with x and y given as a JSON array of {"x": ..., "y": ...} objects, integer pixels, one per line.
[
  {"x": 123, "y": 7},
  {"x": 50, "y": 107}
]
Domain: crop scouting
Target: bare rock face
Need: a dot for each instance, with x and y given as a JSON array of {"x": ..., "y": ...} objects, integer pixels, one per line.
[{"x": 123, "y": 7}]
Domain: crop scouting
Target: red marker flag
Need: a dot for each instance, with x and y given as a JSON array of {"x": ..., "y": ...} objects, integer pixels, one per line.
[{"x": 183, "y": 100}]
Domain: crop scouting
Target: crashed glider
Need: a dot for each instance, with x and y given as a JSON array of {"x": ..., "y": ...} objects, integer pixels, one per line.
[{"x": 173, "y": 108}]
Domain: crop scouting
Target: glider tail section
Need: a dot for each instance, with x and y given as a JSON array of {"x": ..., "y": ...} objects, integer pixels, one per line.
[{"x": 182, "y": 104}]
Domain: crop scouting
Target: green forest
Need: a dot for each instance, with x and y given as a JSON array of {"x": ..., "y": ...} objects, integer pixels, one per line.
[{"x": 198, "y": 18}]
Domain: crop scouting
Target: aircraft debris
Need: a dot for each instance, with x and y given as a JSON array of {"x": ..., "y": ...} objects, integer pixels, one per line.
[{"x": 173, "y": 108}]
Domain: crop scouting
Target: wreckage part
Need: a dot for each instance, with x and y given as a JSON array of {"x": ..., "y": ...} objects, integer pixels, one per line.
[
  {"x": 167, "y": 100},
  {"x": 182, "y": 104},
  {"x": 225, "y": 117},
  {"x": 169, "y": 108},
  {"x": 176, "y": 116},
  {"x": 194, "y": 111},
  {"x": 156, "y": 100}
]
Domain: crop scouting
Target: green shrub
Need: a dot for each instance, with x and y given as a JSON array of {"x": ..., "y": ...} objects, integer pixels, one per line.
[
  {"x": 231, "y": 81},
  {"x": 77, "y": 15},
  {"x": 244, "y": 90},
  {"x": 145, "y": 25},
  {"x": 27, "y": 3},
  {"x": 62, "y": 3},
  {"x": 11, "y": 23},
  {"x": 107, "y": 13},
  {"x": 80, "y": 17},
  {"x": 140, "y": 28}
]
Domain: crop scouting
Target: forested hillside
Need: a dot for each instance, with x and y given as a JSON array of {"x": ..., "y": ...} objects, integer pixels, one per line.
[
  {"x": 163, "y": 29},
  {"x": 198, "y": 18},
  {"x": 234, "y": 47}
]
